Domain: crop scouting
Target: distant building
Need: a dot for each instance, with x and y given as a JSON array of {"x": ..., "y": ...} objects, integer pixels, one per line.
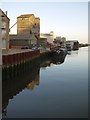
[
  {"x": 19, "y": 41},
  {"x": 28, "y": 30},
  {"x": 4, "y": 30},
  {"x": 60, "y": 41},
  {"x": 49, "y": 36},
  {"x": 72, "y": 45},
  {"x": 42, "y": 42}
]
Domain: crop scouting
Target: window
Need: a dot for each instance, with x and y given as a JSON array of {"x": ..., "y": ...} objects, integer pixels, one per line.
[
  {"x": 4, "y": 44},
  {"x": 3, "y": 34},
  {"x": 23, "y": 18},
  {"x": 3, "y": 25}
]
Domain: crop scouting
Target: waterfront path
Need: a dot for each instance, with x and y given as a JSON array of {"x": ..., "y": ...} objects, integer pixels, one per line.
[{"x": 14, "y": 51}]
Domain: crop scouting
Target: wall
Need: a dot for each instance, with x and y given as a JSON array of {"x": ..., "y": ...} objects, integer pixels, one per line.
[
  {"x": 42, "y": 41},
  {"x": 50, "y": 37},
  {"x": 19, "y": 57},
  {"x": 23, "y": 26},
  {"x": 19, "y": 42},
  {"x": 5, "y": 30}
]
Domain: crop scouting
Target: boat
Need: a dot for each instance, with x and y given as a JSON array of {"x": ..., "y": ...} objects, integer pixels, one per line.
[
  {"x": 59, "y": 53},
  {"x": 69, "y": 47},
  {"x": 58, "y": 56},
  {"x": 72, "y": 45}
]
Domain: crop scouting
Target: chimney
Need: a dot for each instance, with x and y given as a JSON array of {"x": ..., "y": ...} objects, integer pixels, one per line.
[{"x": 6, "y": 13}]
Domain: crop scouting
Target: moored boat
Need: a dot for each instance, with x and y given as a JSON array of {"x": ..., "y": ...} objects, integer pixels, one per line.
[
  {"x": 61, "y": 52},
  {"x": 58, "y": 56}
]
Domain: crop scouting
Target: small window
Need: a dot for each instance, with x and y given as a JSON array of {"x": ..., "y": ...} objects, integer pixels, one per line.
[
  {"x": 30, "y": 32},
  {"x": 2, "y": 16},
  {"x": 23, "y": 18},
  {"x": 3, "y": 43}
]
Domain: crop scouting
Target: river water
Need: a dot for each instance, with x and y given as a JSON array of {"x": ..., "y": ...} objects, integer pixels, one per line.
[{"x": 57, "y": 90}]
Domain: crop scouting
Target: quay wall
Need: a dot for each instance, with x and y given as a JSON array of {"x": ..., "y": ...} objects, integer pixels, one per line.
[
  {"x": 16, "y": 77},
  {"x": 21, "y": 64},
  {"x": 18, "y": 58}
]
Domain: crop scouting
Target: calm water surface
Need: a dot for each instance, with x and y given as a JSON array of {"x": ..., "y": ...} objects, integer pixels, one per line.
[{"x": 57, "y": 90}]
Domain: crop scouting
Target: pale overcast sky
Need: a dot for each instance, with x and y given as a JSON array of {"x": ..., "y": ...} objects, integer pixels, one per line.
[{"x": 68, "y": 19}]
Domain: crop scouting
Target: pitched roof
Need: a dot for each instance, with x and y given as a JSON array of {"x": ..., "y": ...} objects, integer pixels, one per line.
[
  {"x": 12, "y": 36},
  {"x": 3, "y": 13},
  {"x": 37, "y": 18}
]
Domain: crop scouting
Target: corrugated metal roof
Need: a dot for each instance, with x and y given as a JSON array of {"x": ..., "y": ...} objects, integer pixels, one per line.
[
  {"x": 3, "y": 13},
  {"x": 18, "y": 36},
  {"x": 72, "y": 41},
  {"x": 25, "y": 37},
  {"x": 45, "y": 34}
]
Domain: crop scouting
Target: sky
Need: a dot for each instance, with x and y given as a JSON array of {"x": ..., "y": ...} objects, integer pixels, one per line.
[{"x": 66, "y": 19}]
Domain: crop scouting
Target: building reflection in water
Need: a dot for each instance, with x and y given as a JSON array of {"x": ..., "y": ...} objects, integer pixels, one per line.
[
  {"x": 32, "y": 84},
  {"x": 12, "y": 87}
]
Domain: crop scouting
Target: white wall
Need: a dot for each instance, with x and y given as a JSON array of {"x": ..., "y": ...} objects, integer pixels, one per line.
[{"x": 50, "y": 38}]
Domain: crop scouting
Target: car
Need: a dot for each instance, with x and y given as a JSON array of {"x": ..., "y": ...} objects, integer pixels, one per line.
[
  {"x": 34, "y": 48},
  {"x": 39, "y": 48},
  {"x": 24, "y": 47}
]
